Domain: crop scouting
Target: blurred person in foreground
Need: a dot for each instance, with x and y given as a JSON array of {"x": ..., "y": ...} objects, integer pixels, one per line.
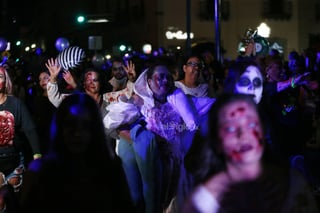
[
  {"x": 234, "y": 176},
  {"x": 81, "y": 172}
]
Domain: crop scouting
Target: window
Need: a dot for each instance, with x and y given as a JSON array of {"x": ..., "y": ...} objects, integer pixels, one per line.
[{"x": 277, "y": 9}]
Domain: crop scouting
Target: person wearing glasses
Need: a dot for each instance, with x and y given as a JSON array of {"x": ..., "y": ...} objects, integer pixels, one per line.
[{"x": 191, "y": 83}]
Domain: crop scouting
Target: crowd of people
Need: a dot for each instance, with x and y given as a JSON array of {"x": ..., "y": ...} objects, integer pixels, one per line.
[{"x": 169, "y": 133}]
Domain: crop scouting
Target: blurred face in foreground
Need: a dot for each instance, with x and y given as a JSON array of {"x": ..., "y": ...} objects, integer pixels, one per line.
[
  {"x": 240, "y": 132},
  {"x": 250, "y": 83},
  {"x": 76, "y": 130}
]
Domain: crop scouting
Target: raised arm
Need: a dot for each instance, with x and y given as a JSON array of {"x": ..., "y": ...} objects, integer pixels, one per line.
[
  {"x": 54, "y": 96},
  {"x": 67, "y": 76},
  {"x": 292, "y": 82},
  {"x": 130, "y": 70}
]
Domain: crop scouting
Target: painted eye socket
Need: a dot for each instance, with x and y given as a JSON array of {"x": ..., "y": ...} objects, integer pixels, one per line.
[
  {"x": 163, "y": 76},
  {"x": 244, "y": 82},
  {"x": 252, "y": 125},
  {"x": 230, "y": 129},
  {"x": 257, "y": 82}
]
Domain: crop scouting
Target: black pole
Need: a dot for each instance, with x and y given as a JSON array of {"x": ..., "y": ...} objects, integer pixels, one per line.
[
  {"x": 217, "y": 14},
  {"x": 188, "y": 26}
]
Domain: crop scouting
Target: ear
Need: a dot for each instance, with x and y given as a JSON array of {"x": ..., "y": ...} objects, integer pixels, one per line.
[{"x": 184, "y": 68}]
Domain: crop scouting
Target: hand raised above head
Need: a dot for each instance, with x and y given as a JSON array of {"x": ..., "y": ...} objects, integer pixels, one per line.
[
  {"x": 54, "y": 69},
  {"x": 250, "y": 48},
  {"x": 130, "y": 70}
]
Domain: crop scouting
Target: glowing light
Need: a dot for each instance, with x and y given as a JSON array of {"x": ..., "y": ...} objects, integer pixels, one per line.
[
  {"x": 264, "y": 30},
  {"x": 178, "y": 35},
  {"x": 147, "y": 48},
  {"x": 80, "y": 19},
  {"x": 101, "y": 20},
  {"x": 108, "y": 56},
  {"x": 122, "y": 47}
]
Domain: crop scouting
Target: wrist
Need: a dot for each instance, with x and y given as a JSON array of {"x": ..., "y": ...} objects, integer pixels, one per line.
[
  {"x": 53, "y": 81},
  {"x": 292, "y": 83},
  {"x": 132, "y": 78},
  {"x": 73, "y": 85}
]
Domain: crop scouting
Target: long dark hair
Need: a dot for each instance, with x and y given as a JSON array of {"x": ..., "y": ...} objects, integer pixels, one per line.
[{"x": 235, "y": 70}]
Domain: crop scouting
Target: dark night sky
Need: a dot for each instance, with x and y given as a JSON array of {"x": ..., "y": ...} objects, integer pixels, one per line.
[
  {"x": 41, "y": 17},
  {"x": 46, "y": 21},
  {"x": 38, "y": 19}
]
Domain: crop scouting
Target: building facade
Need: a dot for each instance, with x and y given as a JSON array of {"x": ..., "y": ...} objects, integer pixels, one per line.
[{"x": 294, "y": 24}]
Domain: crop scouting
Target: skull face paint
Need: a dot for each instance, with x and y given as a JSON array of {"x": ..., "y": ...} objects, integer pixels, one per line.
[
  {"x": 241, "y": 133},
  {"x": 250, "y": 83}
]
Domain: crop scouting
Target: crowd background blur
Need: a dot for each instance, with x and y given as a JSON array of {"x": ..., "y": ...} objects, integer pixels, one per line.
[{"x": 25, "y": 73}]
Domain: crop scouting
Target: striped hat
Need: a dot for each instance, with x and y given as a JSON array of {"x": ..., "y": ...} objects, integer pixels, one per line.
[{"x": 71, "y": 57}]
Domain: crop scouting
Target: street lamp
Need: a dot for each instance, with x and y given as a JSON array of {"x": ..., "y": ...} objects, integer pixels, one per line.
[
  {"x": 80, "y": 19},
  {"x": 264, "y": 30}
]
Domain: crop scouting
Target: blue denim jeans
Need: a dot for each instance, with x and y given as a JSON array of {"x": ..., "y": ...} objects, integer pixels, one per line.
[{"x": 142, "y": 167}]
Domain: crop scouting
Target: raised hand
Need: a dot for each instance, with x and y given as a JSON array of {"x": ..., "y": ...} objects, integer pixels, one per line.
[
  {"x": 250, "y": 48},
  {"x": 67, "y": 76},
  {"x": 54, "y": 69},
  {"x": 130, "y": 70}
]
